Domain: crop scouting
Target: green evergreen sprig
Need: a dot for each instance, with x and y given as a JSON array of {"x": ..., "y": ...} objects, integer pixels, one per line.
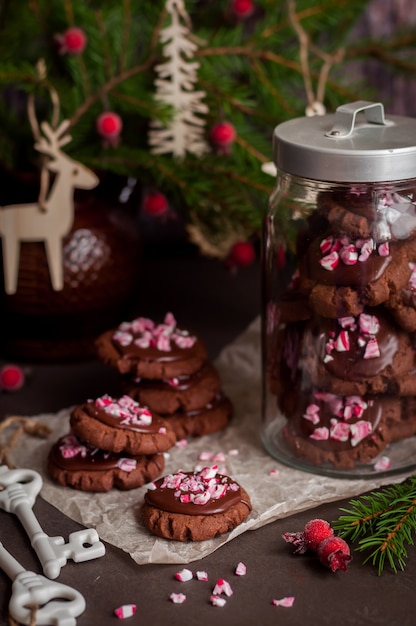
[
  {"x": 382, "y": 523},
  {"x": 255, "y": 74}
]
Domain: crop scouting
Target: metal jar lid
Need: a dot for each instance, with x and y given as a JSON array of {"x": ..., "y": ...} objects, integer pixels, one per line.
[{"x": 356, "y": 144}]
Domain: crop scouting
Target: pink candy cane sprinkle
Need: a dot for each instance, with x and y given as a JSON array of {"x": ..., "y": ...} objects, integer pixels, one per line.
[
  {"x": 217, "y": 601},
  {"x": 359, "y": 431},
  {"x": 320, "y": 434},
  {"x": 184, "y": 575},
  {"x": 144, "y": 333},
  {"x": 287, "y": 602},
  {"x": 177, "y": 598},
  {"x": 382, "y": 464},
  {"x": 222, "y": 587},
  {"x": 126, "y": 610},
  {"x": 372, "y": 349},
  {"x": 201, "y": 575},
  {"x": 241, "y": 569},
  {"x": 330, "y": 261},
  {"x": 368, "y": 324},
  {"x": 127, "y": 465}
]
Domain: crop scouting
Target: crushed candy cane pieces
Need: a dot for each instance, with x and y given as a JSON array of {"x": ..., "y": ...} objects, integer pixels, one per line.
[
  {"x": 241, "y": 569},
  {"x": 177, "y": 598},
  {"x": 286, "y": 602},
  {"x": 126, "y": 610},
  {"x": 184, "y": 575},
  {"x": 201, "y": 575},
  {"x": 222, "y": 587},
  {"x": 274, "y": 472},
  {"x": 148, "y": 334},
  {"x": 217, "y": 601},
  {"x": 383, "y": 463}
]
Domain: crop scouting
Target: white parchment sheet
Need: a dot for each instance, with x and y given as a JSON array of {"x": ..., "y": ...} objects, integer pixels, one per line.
[{"x": 115, "y": 515}]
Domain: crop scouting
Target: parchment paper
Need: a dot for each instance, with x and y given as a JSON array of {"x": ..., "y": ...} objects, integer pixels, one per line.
[{"x": 115, "y": 515}]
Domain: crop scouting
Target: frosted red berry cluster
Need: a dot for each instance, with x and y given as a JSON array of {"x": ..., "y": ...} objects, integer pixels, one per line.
[{"x": 318, "y": 537}]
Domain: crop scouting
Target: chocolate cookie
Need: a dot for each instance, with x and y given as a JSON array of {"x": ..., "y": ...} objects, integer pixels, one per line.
[
  {"x": 149, "y": 350},
  {"x": 357, "y": 355},
  {"x": 121, "y": 425},
  {"x": 209, "y": 419},
  {"x": 76, "y": 464},
  {"x": 346, "y": 430},
  {"x": 187, "y": 393},
  {"x": 403, "y": 304},
  {"x": 194, "y": 506},
  {"x": 342, "y": 275}
]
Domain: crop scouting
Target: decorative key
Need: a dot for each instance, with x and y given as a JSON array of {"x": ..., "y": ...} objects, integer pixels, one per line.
[
  {"x": 18, "y": 491},
  {"x": 54, "y": 603}
]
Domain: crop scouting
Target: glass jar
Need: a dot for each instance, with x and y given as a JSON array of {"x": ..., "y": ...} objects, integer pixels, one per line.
[{"x": 339, "y": 310}]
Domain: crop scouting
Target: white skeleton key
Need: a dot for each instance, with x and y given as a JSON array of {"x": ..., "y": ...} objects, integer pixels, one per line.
[
  {"x": 55, "y": 604},
  {"x": 18, "y": 491}
]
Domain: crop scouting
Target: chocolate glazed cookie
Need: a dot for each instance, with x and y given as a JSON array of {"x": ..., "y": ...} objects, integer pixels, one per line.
[
  {"x": 194, "y": 506},
  {"x": 74, "y": 463},
  {"x": 187, "y": 393},
  {"x": 121, "y": 424},
  {"x": 149, "y": 350}
]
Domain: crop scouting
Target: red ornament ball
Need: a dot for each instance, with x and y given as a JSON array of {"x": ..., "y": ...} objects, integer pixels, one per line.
[
  {"x": 223, "y": 134},
  {"x": 109, "y": 124},
  {"x": 12, "y": 378},
  {"x": 155, "y": 204},
  {"x": 72, "y": 41},
  {"x": 241, "y": 254},
  {"x": 242, "y": 8}
]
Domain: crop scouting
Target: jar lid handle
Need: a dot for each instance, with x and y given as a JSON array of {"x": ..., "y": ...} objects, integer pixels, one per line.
[{"x": 345, "y": 117}]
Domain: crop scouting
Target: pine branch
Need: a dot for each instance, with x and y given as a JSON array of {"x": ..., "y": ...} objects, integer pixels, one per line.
[{"x": 382, "y": 523}]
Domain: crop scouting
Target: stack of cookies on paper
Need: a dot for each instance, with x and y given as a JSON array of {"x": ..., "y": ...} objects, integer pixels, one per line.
[
  {"x": 166, "y": 368},
  {"x": 113, "y": 442}
]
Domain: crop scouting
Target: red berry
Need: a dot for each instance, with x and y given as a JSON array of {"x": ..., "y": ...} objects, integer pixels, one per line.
[
  {"x": 334, "y": 553},
  {"x": 11, "y": 378},
  {"x": 155, "y": 204},
  {"x": 223, "y": 134},
  {"x": 311, "y": 536},
  {"x": 242, "y": 8},
  {"x": 241, "y": 254},
  {"x": 72, "y": 41},
  {"x": 109, "y": 124},
  {"x": 315, "y": 532}
]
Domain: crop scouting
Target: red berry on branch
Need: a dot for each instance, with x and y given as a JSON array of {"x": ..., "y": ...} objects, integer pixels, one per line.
[
  {"x": 109, "y": 126},
  {"x": 223, "y": 135},
  {"x": 242, "y": 8},
  {"x": 155, "y": 204},
  {"x": 12, "y": 378},
  {"x": 72, "y": 41},
  {"x": 311, "y": 536},
  {"x": 241, "y": 254},
  {"x": 334, "y": 553}
]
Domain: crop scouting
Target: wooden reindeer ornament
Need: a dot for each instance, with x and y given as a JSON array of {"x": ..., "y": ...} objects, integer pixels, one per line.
[{"x": 47, "y": 220}]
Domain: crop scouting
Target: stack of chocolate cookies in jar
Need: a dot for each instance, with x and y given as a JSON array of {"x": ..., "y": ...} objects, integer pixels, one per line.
[{"x": 166, "y": 368}]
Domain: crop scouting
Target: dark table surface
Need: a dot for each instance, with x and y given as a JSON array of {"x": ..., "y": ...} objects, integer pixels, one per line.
[{"x": 218, "y": 305}]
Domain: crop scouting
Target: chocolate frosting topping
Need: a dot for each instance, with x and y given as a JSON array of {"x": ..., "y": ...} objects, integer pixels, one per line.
[
  {"x": 130, "y": 422},
  {"x": 70, "y": 453},
  {"x": 175, "y": 499}
]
